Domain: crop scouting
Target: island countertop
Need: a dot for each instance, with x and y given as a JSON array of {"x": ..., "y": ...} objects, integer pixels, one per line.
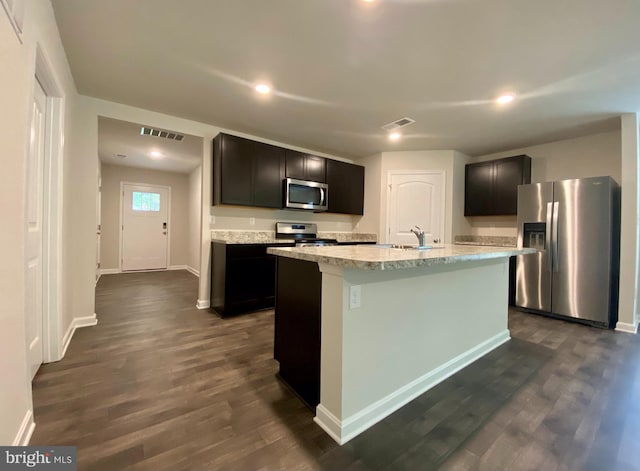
[{"x": 371, "y": 257}]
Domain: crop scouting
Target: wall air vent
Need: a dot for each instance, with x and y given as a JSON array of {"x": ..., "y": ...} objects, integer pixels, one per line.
[
  {"x": 174, "y": 136},
  {"x": 398, "y": 123}
]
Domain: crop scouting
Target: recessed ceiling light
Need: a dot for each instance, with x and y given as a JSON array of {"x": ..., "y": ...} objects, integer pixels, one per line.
[
  {"x": 506, "y": 98},
  {"x": 155, "y": 153},
  {"x": 263, "y": 88},
  {"x": 394, "y": 136}
]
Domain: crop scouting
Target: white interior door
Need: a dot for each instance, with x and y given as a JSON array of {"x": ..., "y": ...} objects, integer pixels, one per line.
[
  {"x": 415, "y": 199},
  {"x": 145, "y": 227},
  {"x": 34, "y": 230}
]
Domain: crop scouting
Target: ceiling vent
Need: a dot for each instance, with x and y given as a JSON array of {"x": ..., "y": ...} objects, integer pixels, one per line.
[
  {"x": 399, "y": 123},
  {"x": 174, "y": 136}
]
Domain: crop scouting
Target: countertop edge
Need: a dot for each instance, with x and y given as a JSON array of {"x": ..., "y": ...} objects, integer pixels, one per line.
[{"x": 364, "y": 264}]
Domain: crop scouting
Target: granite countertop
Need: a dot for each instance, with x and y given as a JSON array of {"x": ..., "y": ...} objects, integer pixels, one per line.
[
  {"x": 494, "y": 241},
  {"x": 269, "y": 237},
  {"x": 371, "y": 257}
]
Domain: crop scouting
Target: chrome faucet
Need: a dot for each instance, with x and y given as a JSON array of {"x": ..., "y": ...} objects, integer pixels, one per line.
[{"x": 422, "y": 237}]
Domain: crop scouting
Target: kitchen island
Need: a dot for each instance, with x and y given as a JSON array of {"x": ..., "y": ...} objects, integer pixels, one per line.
[{"x": 363, "y": 330}]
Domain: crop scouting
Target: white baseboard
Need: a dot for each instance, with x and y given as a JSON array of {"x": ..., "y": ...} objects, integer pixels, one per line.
[
  {"x": 625, "y": 327},
  {"x": 26, "y": 430},
  {"x": 114, "y": 271},
  {"x": 203, "y": 304},
  {"x": 344, "y": 430},
  {"x": 76, "y": 323}
]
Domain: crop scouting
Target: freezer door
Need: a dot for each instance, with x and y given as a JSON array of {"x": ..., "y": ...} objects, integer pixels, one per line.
[
  {"x": 533, "y": 271},
  {"x": 582, "y": 271}
]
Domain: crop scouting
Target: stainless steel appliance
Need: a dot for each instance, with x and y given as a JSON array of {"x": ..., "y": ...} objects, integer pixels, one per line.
[
  {"x": 303, "y": 194},
  {"x": 576, "y": 226},
  {"x": 304, "y": 234}
]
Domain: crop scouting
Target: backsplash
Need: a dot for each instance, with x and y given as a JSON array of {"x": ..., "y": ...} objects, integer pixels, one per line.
[
  {"x": 497, "y": 241},
  {"x": 264, "y": 219},
  {"x": 269, "y": 237}
]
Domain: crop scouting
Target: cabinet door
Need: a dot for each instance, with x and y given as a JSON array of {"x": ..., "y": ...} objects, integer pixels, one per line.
[
  {"x": 305, "y": 166},
  {"x": 315, "y": 168},
  {"x": 346, "y": 187},
  {"x": 478, "y": 189},
  {"x": 268, "y": 175},
  {"x": 235, "y": 170},
  {"x": 509, "y": 173},
  {"x": 295, "y": 164}
]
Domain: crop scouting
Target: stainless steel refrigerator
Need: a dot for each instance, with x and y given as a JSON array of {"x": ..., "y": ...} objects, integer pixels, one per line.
[{"x": 576, "y": 226}]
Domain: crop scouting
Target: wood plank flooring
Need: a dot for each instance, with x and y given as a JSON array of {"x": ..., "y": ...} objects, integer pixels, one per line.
[{"x": 160, "y": 385}]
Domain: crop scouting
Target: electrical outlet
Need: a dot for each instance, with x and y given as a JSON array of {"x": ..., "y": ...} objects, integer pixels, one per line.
[
  {"x": 212, "y": 219},
  {"x": 252, "y": 221},
  {"x": 355, "y": 296}
]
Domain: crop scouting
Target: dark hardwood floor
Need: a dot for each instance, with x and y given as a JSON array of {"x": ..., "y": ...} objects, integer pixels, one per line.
[{"x": 160, "y": 385}]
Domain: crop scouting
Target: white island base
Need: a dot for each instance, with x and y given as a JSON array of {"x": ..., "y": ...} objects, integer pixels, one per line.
[{"x": 415, "y": 327}]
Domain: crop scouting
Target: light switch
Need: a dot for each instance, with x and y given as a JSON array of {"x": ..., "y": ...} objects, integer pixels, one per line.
[
  {"x": 355, "y": 296},
  {"x": 252, "y": 221},
  {"x": 212, "y": 219}
]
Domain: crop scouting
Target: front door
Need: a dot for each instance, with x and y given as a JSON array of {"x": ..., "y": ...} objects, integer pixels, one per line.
[
  {"x": 34, "y": 240},
  {"x": 145, "y": 227},
  {"x": 415, "y": 199}
]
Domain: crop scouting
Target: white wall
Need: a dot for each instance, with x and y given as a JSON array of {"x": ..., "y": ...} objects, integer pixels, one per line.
[
  {"x": 377, "y": 170},
  {"x": 195, "y": 216},
  {"x": 588, "y": 156},
  {"x": 16, "y": 94},
  {"x": 179, "y": 228},
  {"x": 629, "y": 230}
]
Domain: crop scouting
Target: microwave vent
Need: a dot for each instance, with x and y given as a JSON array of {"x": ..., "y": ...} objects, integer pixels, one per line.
[{"x": 398, "y": 123}]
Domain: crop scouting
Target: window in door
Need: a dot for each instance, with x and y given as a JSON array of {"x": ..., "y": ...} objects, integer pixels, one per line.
[{"x": 144, "y": 201}]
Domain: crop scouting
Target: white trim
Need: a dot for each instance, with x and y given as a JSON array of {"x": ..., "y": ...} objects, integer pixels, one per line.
[
  {"x": 114, "y": 271},
  {"x": 203, "y": 304},
  {"x": 191, "y": 270},
  {"x": 345, "y": 430},
  {"x": 625, "y": 327},
  {"x": 169, "y": 229},
  {"x": 23, "y": 437},
  {"x": 443, "y": 198},
  {"x": 77, "y": 323},
  {"x": 53, "y": 208}
]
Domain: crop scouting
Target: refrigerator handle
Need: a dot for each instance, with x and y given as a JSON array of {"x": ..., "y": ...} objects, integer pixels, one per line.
[
  {"x": 549, "y": 240},
  {"x": 555, "y": 236}
]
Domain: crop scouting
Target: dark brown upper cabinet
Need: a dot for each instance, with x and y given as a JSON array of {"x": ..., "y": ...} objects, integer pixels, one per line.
[
  {"x": 346, "y": 187},
  {"x": 305, "y": 166},
  {"x": 491, "y": 187},
  {"x": 246, "y": 172}
]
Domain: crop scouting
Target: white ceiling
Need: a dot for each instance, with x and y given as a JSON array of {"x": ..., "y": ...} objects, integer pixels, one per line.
[
  {"x": 343, "y": 68},
  {"x": 117, "y": 138}
]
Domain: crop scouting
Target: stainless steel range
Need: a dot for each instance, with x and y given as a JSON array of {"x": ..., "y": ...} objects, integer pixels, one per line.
[{"x": 304, "y": 234}]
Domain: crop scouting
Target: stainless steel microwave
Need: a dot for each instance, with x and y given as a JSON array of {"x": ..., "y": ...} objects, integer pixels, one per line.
[{"x": 303, "y": 194}]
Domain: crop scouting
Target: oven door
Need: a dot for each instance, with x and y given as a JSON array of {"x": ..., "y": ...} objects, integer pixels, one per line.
[{"x": 302, "y": 194}]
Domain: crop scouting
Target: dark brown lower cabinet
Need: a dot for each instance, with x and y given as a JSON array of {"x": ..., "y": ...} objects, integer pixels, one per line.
[
  {"x": 297, "y": 327},
  {"x": 242, "y": 277}
]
